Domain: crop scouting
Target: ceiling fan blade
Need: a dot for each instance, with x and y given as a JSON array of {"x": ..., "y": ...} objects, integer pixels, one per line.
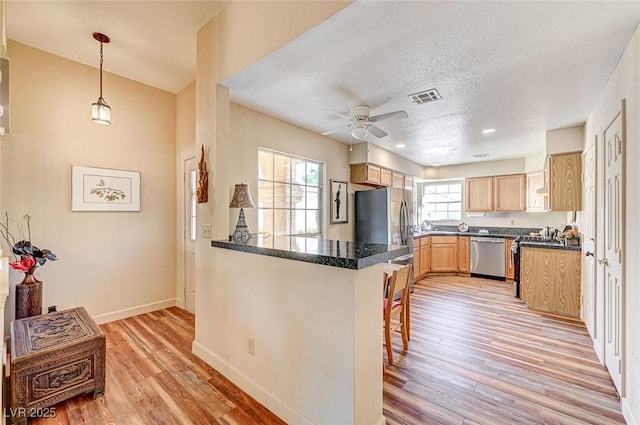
[
  {"x": 377, "y": 131},
  {"x": 335, "y": 129},
  {"x": 396, "y": 114},
  {"x": 338, "y": 114}
]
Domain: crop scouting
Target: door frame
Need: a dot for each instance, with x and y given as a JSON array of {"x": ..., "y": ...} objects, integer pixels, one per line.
[
  {"x": 590, "y": 302},
  {"x": 181, "y": 233}
]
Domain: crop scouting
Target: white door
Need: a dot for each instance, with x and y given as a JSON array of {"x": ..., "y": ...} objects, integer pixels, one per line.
[
  {"x": 613, "y": 255},
  {"x": 588, "y": 241},
  {"x": 190, "y": 184}
]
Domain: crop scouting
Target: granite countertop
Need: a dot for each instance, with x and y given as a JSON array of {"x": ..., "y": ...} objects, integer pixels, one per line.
[
  {"x": 343, "y": 254},
  {"x": 549, "y": 245},
  {"x": 474, "y": 231}
]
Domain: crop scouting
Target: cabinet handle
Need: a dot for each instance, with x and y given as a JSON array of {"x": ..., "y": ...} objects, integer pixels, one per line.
[{"x": 588, "y": 254}]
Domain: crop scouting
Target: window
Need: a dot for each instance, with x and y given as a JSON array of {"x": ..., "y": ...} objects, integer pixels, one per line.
[
  {"x": 289, "y": 194},
  {"x": 192, "y": 205},
  {"x": 442, "y": 200}
]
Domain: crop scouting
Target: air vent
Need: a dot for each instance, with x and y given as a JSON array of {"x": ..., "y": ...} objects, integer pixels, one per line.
[
  {"x": 425, "y": 96},
  {"x": 481, "y": 155}
]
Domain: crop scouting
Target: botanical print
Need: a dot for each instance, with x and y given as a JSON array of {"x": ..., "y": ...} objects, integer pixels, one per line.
[
  {"x": 101, "y": 189},
  {"x": 107, "y": 193}
]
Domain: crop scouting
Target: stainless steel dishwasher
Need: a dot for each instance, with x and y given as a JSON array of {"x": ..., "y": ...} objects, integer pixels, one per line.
[{"x": 487, "y": 257}]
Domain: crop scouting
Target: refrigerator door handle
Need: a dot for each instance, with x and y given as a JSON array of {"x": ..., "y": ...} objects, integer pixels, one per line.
[{"x": 403, "y": 236}]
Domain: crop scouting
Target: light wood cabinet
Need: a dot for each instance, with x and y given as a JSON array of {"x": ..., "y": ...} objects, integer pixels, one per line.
[
  {"x": 536, "y": 202},
  {"x": 425, "y": 255},
  {"x": 550, "y": 280},
  {"x": 444, "y": 254},
  {"x": 385, "y": 177},
  {"x": 416, "y": 260},
  {"x": 478, "y": 194},
  {"x": 565, "y": 182},
  {"x": 509, "y": 192},
  {"x": 509, "y": 272},
  {"x": 463, "y": 254},
  {"x": 365, "y": 174},
  {"x": 398, "y": 180},
  {"x": 408, "y": 183}
]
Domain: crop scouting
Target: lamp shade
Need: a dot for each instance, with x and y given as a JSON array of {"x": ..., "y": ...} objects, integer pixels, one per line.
[
  {"x": 360, "y": 131},
  {"x": 242, "y": 197},
  {"x": 101, "y": 112}
]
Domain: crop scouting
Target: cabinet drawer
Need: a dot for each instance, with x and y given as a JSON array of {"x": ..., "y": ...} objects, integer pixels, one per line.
[
  {"x": 425, "y": 241},
  {"x": 444, "y": 239}
]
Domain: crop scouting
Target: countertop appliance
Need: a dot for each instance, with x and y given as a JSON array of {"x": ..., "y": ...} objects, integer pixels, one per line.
[
  {"x": 487, "y": 257},
  {"x": 385, "y": 216}
]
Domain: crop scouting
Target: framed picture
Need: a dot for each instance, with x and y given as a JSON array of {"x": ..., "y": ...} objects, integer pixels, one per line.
[
  {"x": 339, "y": 202},
  {"x": 104, "y": 189}
]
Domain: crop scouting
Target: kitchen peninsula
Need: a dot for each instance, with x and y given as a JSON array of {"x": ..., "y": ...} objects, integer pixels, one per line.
[{"x": 296, "y": 323}]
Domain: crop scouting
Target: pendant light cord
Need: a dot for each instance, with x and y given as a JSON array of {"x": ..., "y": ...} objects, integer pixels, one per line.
[{"x": 101, "y": 70}]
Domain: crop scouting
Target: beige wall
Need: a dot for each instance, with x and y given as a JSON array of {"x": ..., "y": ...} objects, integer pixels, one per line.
[
  {"x": 112, "y": 263},
  {"x": 624, "y": 84},
  {"x": 251, "y": 130}
]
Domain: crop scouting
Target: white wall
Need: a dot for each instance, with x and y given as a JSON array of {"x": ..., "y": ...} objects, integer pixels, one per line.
[
  {"x": 561, "y": 140},
  {"x": 625, "y": 84},
  {"x": 112, "y": 263}
]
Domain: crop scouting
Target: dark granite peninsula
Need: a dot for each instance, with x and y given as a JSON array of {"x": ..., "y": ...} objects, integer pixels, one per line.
[
  {"x": 344, "y": 254},
  {"x": 296, "y": 323}
]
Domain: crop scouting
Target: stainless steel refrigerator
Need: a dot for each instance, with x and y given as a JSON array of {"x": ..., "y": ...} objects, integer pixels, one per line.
[{"x": 386, "y": 216}]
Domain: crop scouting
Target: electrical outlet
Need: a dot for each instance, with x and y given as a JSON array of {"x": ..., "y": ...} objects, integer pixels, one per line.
[
  {"x": 512, "y": 222},
  {"x": 206, "y": 231},
  {"x": 251, "y": 345}
]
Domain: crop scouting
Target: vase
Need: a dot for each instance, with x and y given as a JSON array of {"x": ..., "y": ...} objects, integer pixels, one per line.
[{"x": 29, "y": 296}]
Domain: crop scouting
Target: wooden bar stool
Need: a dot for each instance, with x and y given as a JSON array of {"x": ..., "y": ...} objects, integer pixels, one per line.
[{"x": 395, "y": 309}]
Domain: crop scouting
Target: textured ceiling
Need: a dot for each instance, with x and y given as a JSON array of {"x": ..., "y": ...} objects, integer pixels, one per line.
[{"x": 520, "y": 67}]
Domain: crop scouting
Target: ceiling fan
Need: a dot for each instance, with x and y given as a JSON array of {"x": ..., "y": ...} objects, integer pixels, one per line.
[{"x": 362, "y": 122}]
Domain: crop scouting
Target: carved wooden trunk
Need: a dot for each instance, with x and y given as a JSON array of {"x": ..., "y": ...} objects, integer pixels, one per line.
[{"x": 54, "y": 357}]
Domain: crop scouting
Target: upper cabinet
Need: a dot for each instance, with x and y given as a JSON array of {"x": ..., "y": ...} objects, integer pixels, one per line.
[
  {"x": 495, "y": 193},
  {"x": 536, "y": 202},
  {"x": 478, "y": 194},
  {"x": 510, "y": 193},
  {"x": 565, "y": 182},
  {"x": 374, "y": 175}
]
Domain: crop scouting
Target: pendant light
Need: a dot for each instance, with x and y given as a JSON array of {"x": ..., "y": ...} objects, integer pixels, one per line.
[{"x": 101, "y": 111}]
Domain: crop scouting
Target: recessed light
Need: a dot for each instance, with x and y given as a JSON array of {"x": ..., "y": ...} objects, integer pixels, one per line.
[
  {"x": 437, "y": 164},
  {"x": 400, "y": 145},
  {"x": 488, "y": 130}
]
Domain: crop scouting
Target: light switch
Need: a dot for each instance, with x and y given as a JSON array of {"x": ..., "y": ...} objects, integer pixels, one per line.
[{"x": 206, "y": 231}]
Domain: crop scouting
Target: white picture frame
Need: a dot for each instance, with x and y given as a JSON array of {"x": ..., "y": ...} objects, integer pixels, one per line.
[
  {"x": 104, "y": 189},
  {"x": 339, "y": 202}
]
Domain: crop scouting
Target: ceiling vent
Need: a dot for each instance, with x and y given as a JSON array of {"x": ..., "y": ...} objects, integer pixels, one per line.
[
  {"x": 481, "y": 155},
  {"x": 425, "y": 96}
]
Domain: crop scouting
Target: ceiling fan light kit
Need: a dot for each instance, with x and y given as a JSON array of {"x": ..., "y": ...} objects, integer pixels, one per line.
[{"x": 362, "y": 122}]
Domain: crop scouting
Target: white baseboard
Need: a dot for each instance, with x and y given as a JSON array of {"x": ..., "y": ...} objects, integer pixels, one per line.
[
  {"x": 133, "y": 311},
  {"x": 598, "y": 349},
  {"x": 277, "y": 406},
  {"x": 180, "y": 303},
  {"x": 626, "y": 412}
]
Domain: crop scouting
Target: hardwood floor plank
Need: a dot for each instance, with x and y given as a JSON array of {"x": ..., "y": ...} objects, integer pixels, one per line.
[{"x": 477, "y": 356}]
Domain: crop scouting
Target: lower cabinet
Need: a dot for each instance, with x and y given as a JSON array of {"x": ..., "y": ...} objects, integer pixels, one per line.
[
  {"x": 425, "y": 255},
  {"x": 551, "y": 280},
  {"x": 463, "y": 254},
  {"x": 444, "y": 253},
  {"x": 509, "y": 272},
  {"x": 416, "y": 260}
]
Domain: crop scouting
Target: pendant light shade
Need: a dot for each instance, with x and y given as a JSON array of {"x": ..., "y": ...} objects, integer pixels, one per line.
[{"x": 100, "y": 110}]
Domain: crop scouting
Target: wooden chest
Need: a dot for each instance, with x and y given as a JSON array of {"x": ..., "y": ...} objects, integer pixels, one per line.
[{"x": 54, "y": 357}]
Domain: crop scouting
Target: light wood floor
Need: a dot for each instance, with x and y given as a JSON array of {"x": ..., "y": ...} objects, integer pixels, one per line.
[{"x": 476, "y": 356}]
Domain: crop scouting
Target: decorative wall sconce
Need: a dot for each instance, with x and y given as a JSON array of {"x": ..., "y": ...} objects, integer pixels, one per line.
[{"x": 101, "y": 111}]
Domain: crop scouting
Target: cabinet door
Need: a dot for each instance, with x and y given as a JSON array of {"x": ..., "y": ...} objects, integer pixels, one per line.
[
  {"x": 385, "y": 177},
  {"x": 565, "y": 182},
  {"x": 509, "y": 193},
  {"x": 416, "y": 261},
  {"x": 508, "y": 259},
  {"x": 425, "y": 259},
  {"x": 463, "y": 254},
  {"x": 478, "y": 194},
  {"x": 408, "y": 183},
  {"x": 536, "y": 202},
  {"x": 398, "y": 180},
  {"x": 444, "y": 254}
]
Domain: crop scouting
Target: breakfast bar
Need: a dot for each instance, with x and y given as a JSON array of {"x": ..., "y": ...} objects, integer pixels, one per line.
[{"x": 296, "y": 323}]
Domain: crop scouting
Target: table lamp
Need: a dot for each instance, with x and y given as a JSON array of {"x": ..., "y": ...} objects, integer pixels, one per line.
[{"x": 241, "y": 199}]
